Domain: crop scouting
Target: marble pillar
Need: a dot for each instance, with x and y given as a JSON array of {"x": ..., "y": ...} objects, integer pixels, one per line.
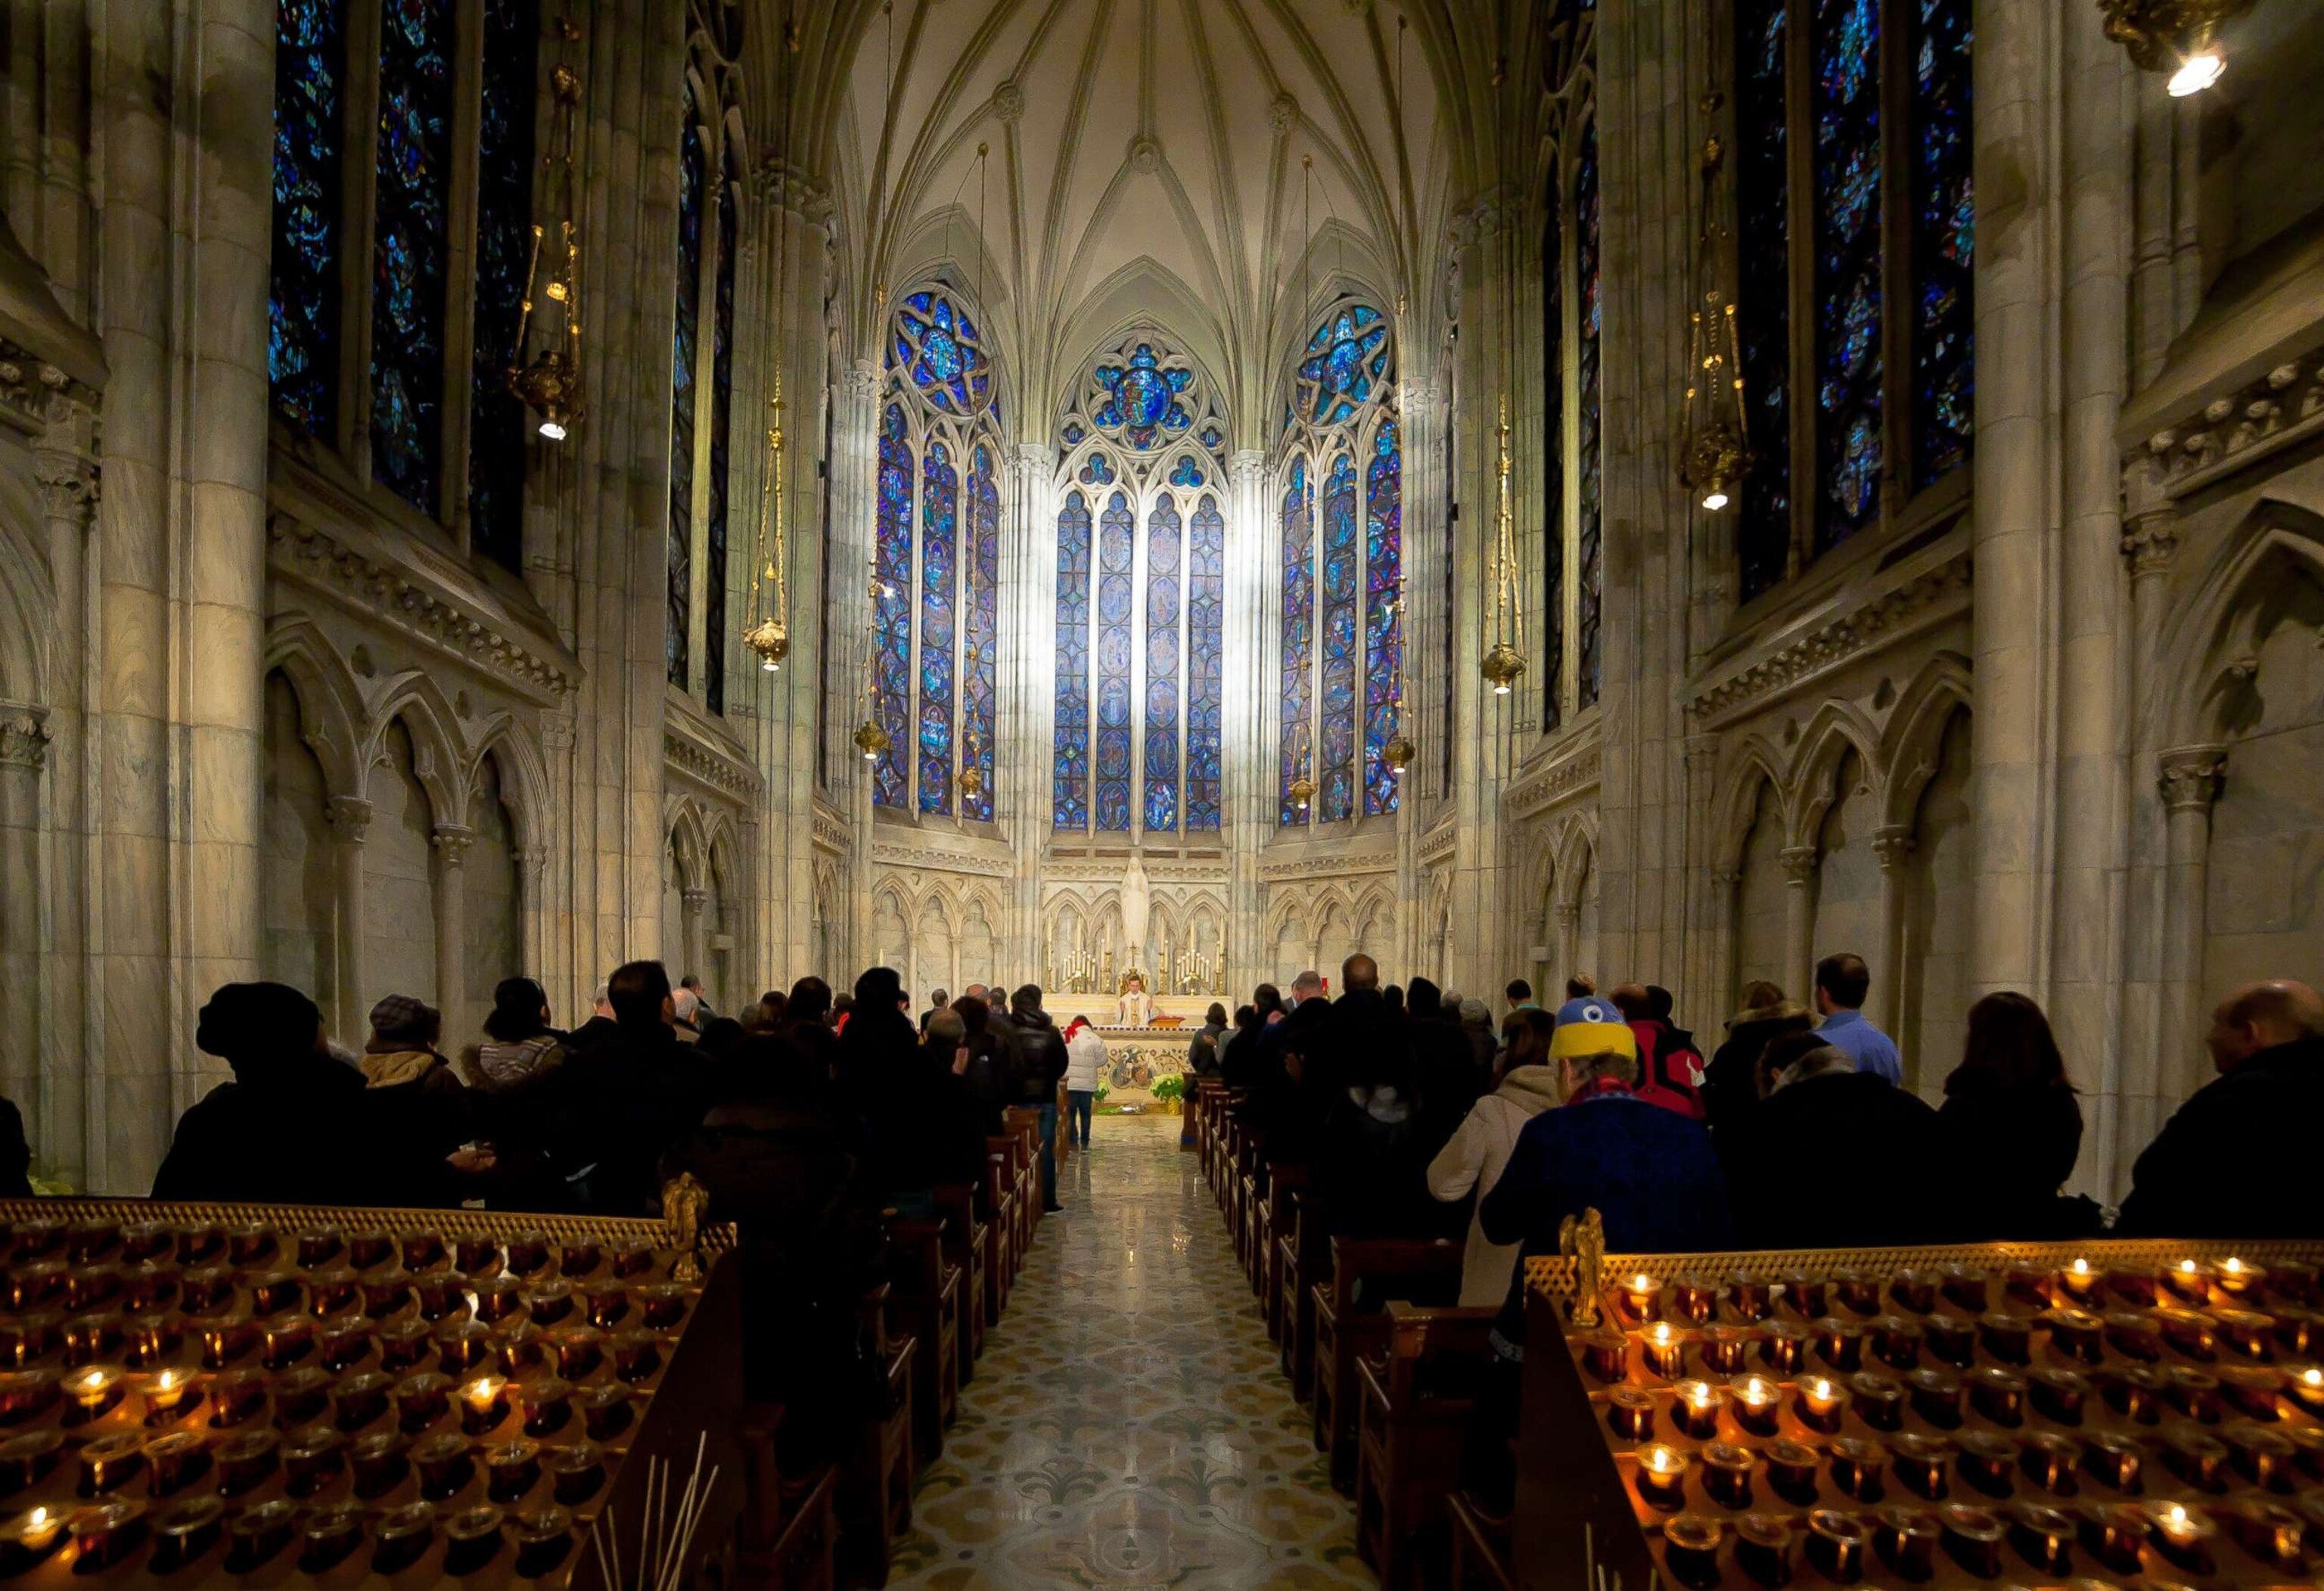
[
  {"x": 1022, "y": 793},
  {"x": 1893, "y": 975},
  {"x": 2189, "y": 778},
  {"x": 64, "y": 464},
  {"x": 24, "y": 746},
  {"x": 1251, "y": 727},
  {"x": 1800, "y": 865},
  {"x": 350, "y": 820},
  {"x": 2146, "y": 1083},
  {"x": 854, "y": 465},
  {"x": 451, "y": 841}
]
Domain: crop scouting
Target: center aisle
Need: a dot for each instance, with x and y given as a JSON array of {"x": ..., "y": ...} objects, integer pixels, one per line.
[{"x": 1128, "y": 1425}]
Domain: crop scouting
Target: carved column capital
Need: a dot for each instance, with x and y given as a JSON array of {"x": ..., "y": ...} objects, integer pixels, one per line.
[
  {"x": 1246, "y": 466},
  {"x": 695, "y": 900},
  {"x": 1800, "y": 864},
  {"x": 68, "y": 483},
  {"x": 2189, "y": 777},
  {"x": 24, "y": 736},
  {"x": 349, "y": 816},
  {"x": 861, "y": 382},
  {"x": 2150, "y": 520},
  {"x": 534, "y": 860},
  {"x": 1891, "y": 844},
  {"x": 452, "y": 841},
  {"x": 1728, "y": 880}
]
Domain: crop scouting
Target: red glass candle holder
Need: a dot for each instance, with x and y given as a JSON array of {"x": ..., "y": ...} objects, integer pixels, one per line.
[
  {"x": 312, "y": 1458},
  {"x": 549, "y": 1304},
  {"x": 2133, "y": 1284},
  {"x": 403, "y": 1538},
  {"x": 255, "y": 1535},
  {"x": 2193, "y": 1393},
  {"x": 1840, "y": 1344},
  {"x": 423, "y": 1251},
  {"x": 543, "y": 1537},
  {"x": 483, "y": 1404},
  {"x": 317, "y": 1246},
  {"x": 332, "y": 1289},
  {"x": 498, "y": 1298},
  {"x": 343, "y": 1343},
  {"x": 1997, "y": 1394},
  {"x": 637, "y": 1355},
  {"x": 2264, "y": 1457},
  {"x": 2133, "y": 1391},
  {"x": 1605, "y": 1354},
  {"x": 1664, "y": 1348},
  {"x": 108, "y": 1463},
  {"x": 1763, "y": 1548},
  {"x": 1878, "y": 1399},
  {"x": 378, "y": 1463},
  {"x": 147, "y": 1286},
  {"x": 606, "y": 1411},
  {"x": 1723, "y": 1348},
  {"x": 2051, "y": 1462},
  {"x": 1972, "y": 1538},
  {"x": 245, "y": 1459},
  {"x": 1920, "y": 1464},
  {"x": 2077, "y": 1333},
  {"x": 91, "y": 1337},
  {"x": 2114, "y": 1461},
  {"x": 1984, "y": 1461},
  {"x": 575, "y": 1472},
  {"x": 185, "y": 1530},
  {"x": 472, "y": 1537},
  {"x": 1804, "y": 1293},
  {"x": 580, "y": 1257},
  {"x": 1630, "y": 1413},
  {"x": 1695, "y": 1298},
  {"x": 238, "y": 1397},
  {"x": 301, "y": 1395},
  {"x": 1860, "y": 1469},
  {"x": 421, "y": 1400},
  {"x": 662, "y": 1304},
  {"x": 1835, "y": 1545},
  {"x": 329, "y": 1536},
  {"x": 1782, "y": 1348},
  {"x": 361, "y": 1399},
  {"x": 370, "y": 1248},
  {"x": 580, "y": 1349},
  {"x": 29, "y": 1458},
  {"x": 527, "y": 1252},
  {"x": 446, "y": 1466},
  {"x": 1792, "y": 1469},
  {"x": 2190, "y": 1332},
  {"x": 475, "y": 1255},
  {"x": 2114, "y": 1533},
  {"x": 633, "y": 1258},
  {"x": 1727, "y": 1474},
  {"x": 1951, "y": 1338},
  {"x": 2194, "y": 1455},
  {"x": 1915, "y": 1289},
  {"x": 1691, "y": 1543},
  {"x": 2007, "y": 1337},
  {"x": 2059, "y": 1395},
  {"x": 284, "y": 1339},
  {"x": 1751, "y": 1297},
  {"x": 512, "y": 1469},
  {"x": 1936, "y": 1397},
  {"x": 1856, "y": 1290},
  {"x": 1968, "y": 1288},
  {"x": 200, "y": 1244},
  {"x": 405, "y": 1343},
  {"x": 2043, "y": 1536},
  {"x": 1694, "y": 1408},
  {"x": 2252, "y": 1390},
  {"x": 104, "y": 1533},
  {"x": 1897, "y": 1341},
  {"x": 462, "y": 1347},
  {"x": 205, "y": 1291},
  {"x": 386, "y": 1293},
  {"x": 2183, "y": 1534},
  {"x": 1755, "y": 1402},
  {"x": 175, "y": 1460},
  {"x": 1907, "y": 1540}
]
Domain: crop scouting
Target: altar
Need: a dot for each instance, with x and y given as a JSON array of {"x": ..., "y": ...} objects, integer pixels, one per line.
[{"x": 1136, "y": 1058}]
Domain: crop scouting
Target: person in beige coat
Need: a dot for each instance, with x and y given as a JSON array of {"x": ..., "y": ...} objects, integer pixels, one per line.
[{"x": 1473, "y": 1159}]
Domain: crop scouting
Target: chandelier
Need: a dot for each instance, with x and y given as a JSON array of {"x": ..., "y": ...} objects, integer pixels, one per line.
[
  {"x": 1505, "y": 660},
  {"x": 2181, "y": 37},
  {"x": 771, "y": 636},
  {"x": 1303, "y": 787},
  {"x": 1715, "y": 452},
  {"x": 872, "y": 737},
  {"x": 549, "y": 385}
]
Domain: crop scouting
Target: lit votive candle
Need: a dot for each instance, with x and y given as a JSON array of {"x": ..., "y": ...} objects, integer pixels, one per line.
[
  {"x": 169, "y": 1393},
  {"x": 2190, "y": 1280},
  {"x": 28, "y": 1538},
  {"x": 1819, "y": 1404},
  {"x": 1695, "y": 1406},
  {"x": 93, "y": 1391},
  {"x": 1662, "y": 1475},
  {"x": 2078, "y": 1281},
  {"x": 483, "y": 1404},
  {"x": 1753, "y": 1399},
  {"x": 1630, "y": 1413},
  {"x": 2305, "y": 1383},
  {"x": 2240, "y": 1279},
  {"x": 1665, "y": 1348},
  {"x": 1726, "y": 1475},
  {"x": 2183, "y": 1534},
  {"x": 1640, "y": 1293}
]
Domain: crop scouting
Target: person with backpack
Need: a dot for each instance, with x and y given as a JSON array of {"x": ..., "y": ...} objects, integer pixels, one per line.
[{"x": 1670, "y": 1068}]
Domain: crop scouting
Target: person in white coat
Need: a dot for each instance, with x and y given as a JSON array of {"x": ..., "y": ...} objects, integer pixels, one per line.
[
  {"x": 1477, "y": 1153},
  {"x": 1084, "y": 1065}
]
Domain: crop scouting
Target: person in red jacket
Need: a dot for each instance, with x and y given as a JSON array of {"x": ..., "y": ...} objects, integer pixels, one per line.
[{"x": 1670, "y": 1068}]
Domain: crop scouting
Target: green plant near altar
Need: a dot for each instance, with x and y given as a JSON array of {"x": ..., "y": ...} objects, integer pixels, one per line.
[
  {"x": 1171, "y": 1088},
  {"x": 1097, "y": 1095}
]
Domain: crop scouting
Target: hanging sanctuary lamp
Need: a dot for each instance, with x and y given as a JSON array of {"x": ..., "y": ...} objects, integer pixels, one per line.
[
  {"x": 2181, "y": 37},
  {"x": 872, "y": 737},
  {"x": 1504, "y": 662},
  {"x": 1715, "y": 454},
  {"x": 549, "y": 385}
]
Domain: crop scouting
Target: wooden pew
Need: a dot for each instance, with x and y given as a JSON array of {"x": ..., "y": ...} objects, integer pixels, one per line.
[
  {"x": 968, "y": 1245},
  {"x": 875, "y": 1485},
  {"x": 924, "y": 1302},
  {"x": 1000, "y": 1201},
  {"x": 1424, "y": 1269},
  {"x": 1303, "y": 1261},
  {"x": 785, "y": 1537},
  {"x": 1414, "y": 1399},
  {"x": 1481, "y": 1551},
  {"x": 1283, "y": 1182}
]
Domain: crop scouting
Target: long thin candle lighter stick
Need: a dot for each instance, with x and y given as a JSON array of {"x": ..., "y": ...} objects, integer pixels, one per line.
[{"x": 693, "y": 1519}]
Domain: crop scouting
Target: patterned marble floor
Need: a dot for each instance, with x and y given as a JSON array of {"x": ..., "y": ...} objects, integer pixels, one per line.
[{"x": 1128, "y": 1426}]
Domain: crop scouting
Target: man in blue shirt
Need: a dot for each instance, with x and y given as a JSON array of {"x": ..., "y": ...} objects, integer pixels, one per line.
[{"x": 1841, "y": 982}]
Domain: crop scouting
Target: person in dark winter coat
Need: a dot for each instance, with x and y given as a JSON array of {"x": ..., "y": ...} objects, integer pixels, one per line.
[
  {"x": 1370, "y": 1148},
  {"x": 1833, "y": 1158},
  {"x": 291, "y": 1127},
  {"x": 780, "y": 1165},
  {"x": 1730, "y": 1088},
  {"x": 2238, "y": 1159},
  {"x": 624, "y": 1101},
  {"x": 2012, "y": 1130},
  {"x": 1040, "y": 1068},
  {"x": 15, "y": 1154},
  {"x": 987, "y": 1076},
  {"x": 922, "y": 1127},
  {"x": 1203, "y": 1051},
  {"x": 1449, "y": 1079}
]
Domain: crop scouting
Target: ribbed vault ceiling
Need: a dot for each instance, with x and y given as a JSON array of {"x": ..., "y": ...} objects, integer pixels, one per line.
[{"x": 1144, "y": 161}]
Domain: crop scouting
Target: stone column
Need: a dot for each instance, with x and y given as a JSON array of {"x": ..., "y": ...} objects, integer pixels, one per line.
[
  {"x": 1708, "y": 907},
  {"x": 1800, "y": 864},
  {"x": 853, "y": 465},
  {"x": 1421, "y": 414},
  {"x": 1892, "y": 847},
  {"x": 1724, "y": 885},
  {"x": 1021, "y": 797},
  {"x": 2189, "y": 779},
  {"x": 23, "y": 745},
  {"x": 64, "y": 464},
  {"x": 693, "y": 933},
  {"x": 350, "y": 819},
  {"x": 1251, "y": 713},
  {"x": 452, "y": 841},
  {"x": 1567, "y": 915},
  {"x": 2147, "y": 1084}
]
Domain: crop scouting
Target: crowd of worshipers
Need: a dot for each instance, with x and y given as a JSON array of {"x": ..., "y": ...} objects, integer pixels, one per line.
[
  {"x": 1415, "y": 1119},
  {"x": 807, "y": 1118}
]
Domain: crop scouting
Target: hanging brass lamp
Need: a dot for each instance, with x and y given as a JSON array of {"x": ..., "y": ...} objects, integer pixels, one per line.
[
  {"x": 770, "y": 636},
  {"x": 2181, "y": 37},
  {"x": 1504, "y": 662},
  {"x": 1715, "y": 452},
  {"x": 550, "y": 383}
]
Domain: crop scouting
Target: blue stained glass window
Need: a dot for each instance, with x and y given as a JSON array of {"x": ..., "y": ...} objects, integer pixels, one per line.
[
  {"x": 1117, "y": 556},
  {"x": 1163, "y": 600},
  {"x": 1552, "y": 462},
  {"x": 941, "y": 352},
  {"x": 1335, "y": 775},
  {"x": 685, "y": 352},
  {"x": 939, "y": 582},
  {"x": 1144, "y": 404},
  {"x": 496, "y": 422},
  {"x": 1097, "y": 470},
  {"x": 1846, "y": 102},
  {"x": 1589, "y": 540},
  {"x": 980, "y": 644},
  {"x": 1298, "y": 636},
  {"x": 1346, "y": 363},
  {"x": 1944, "y": 240},
  {"x": 302, "y": 329},
  {"x": 891, "y": 612},
  {"x": 721, "y": 408},
  {"x": 1187, "y": 474},
  {"x": 1070, "y": 744},
  {"x": 1383, "y": 613},
  {"x": 1764, "y": 303},
  {"x": 412, "y": 196},
  {"x": 1207, "y": 571}
]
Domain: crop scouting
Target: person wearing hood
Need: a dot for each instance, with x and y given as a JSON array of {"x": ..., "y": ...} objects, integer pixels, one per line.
[
  {"x": 1477, "y": 1027},
  {"x": 413, "y": 1092},
  {"x": 1472, "y": 1162},
  {"x": 290, "y": 1128},
  {"x": 1731, "y": 1085},
  {"x": 1041, "y": 1063},
  {"x": 1084, "y": 1065}
]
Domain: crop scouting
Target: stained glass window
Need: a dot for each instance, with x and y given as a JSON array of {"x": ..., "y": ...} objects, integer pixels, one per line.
[
  {"x": 1383, "y": 614},
  {"x": 1335, "y": 777},
  {"x": 1143, "y": 400},
  {"x": 1846, "y": 102},
  {"x": 1070, "y": 784},
  {"x": 1187, "y": 473},
  {"x": 1117, "y": 556},
  {"x": 1207, "y": 570},
  {"x": 1554, "y": 342},
  {"x": 1162, "y": 533},
  {"x": 891, "y": 611},
  {"x": 693, "y": 181},
  {"x": 1298, "y": 635},
  {"x": 980, "y": 644},
  {"x": 412, "y": 188},
  {"x": 1345, "y": 364},
  {"x": 302, "y": 341},
  {"x": 1589, "y": 540},
  {"x": 939, "y": 581},
  {"x": 1944, "y": 237},
  {"x": 942, "y": 354},
  {"x": 722, "y": 415},
  {"x": 1764, "y": 302},
  {"x": 496, "y": 424}
]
